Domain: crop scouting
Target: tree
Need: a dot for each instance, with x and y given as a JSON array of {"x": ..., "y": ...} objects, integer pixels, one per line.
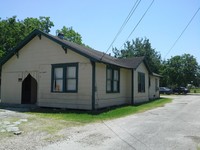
[
  {"x": 8, "y": 34},
  {"x": 70, "y": 35},
  {"x": 179, "y": 70},
  {"x": 13, "y": 31},
  {"x": 43, "y": 23},
  {"x": 140, "y": 47},
  {"x": 196, "y": 81}
]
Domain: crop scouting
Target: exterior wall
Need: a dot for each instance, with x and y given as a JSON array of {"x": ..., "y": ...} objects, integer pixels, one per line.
[
  {"x": 104, "y": 99},
  {"x": 36, "y": 58},
  {"x": 140, "y": 97},
  {"x": 11, "y": 88},
  {"x": 154, "y": 89}
]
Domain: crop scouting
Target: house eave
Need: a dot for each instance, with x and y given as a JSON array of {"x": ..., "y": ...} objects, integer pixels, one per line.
[{"x": 156, "y": 75}]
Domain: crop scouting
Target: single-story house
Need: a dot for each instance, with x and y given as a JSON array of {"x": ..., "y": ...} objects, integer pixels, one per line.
[{"x": 49, "y": 71}]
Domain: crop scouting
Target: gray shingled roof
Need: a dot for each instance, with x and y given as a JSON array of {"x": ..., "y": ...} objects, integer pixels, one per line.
[
  {"x": 92, "y": 54},
  {"x": 122, "y": 62}
]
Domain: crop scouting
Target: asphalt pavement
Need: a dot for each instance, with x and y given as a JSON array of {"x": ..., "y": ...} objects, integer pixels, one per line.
[{"x": 175, "y": 126}]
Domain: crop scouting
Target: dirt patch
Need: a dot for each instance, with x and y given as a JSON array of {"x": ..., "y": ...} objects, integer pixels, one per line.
[
  {"x": 33, "y": 132},
  {"x": 196, "y": 139},
  {"x": 97, "y": 139}
]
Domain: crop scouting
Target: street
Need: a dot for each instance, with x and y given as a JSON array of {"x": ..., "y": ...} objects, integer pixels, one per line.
[{"x": 173, "y": 127}]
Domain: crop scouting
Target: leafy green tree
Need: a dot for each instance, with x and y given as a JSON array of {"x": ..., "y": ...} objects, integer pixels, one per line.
[
  {"x": 179, "y": 70},
  {"x": 140, "y": 47},
  {"x": 164, "y": 71},
  {"x": 70, "y": 35},
  {"x": 43, "y": 23},
  {"x": 13, "y": 31},
  {"x": 8, "y": 34},
  {"x": 196, "y": 81}
]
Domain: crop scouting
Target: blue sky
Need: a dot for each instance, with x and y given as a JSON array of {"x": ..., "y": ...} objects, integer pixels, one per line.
[{"x": 99, "y": 21}]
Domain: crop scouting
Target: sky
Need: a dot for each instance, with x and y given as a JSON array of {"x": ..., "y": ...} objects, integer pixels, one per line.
[{"x": 98, "y": 21}]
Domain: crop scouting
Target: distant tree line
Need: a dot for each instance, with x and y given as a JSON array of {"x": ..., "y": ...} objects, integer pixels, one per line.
[{"x": 176, "y": 71}]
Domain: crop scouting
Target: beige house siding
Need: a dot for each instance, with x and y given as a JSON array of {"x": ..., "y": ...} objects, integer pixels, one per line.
[
  {"x": 11, "y": 88},
  {"x": 140, "y": 97},
  {"x": 104, "y": 99},
  {"x": 154, "y": 89},
  {"x": 36, "y": 58}
]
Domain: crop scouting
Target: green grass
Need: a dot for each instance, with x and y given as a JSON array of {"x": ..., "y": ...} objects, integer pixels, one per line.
[
  {"x": 198, "y": 147},
  {"x": 88, "y": 117},
  {"x": 195, "y": 89}
]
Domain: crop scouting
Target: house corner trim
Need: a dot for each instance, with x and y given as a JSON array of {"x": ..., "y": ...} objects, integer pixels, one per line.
[
  {"x": 93, "y": 84},
  {"x": 132, "y": 87}
]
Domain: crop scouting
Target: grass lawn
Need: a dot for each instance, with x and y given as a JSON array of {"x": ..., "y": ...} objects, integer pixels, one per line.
[
  {"x": 88, "y": 117},
  {"x": 198, "y": 146},
  {"x": 196, "y": 89}
]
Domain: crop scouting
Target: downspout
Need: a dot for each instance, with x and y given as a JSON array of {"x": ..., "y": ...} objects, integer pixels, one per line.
[
  {"x": 93, "y": 84},
  {"x": 132, "y": 87}
]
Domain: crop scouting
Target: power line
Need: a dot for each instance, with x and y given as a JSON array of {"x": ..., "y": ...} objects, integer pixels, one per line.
[
  {"x": 182, "y": 32},
  {"x": 123, "y": 25},
  {"x": 139, "y": 21}
]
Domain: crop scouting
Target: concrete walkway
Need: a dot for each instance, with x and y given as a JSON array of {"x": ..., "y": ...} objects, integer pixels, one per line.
[{"x": 10, "y": 121}]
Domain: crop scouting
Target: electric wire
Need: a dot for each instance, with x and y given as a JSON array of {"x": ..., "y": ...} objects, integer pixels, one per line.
[
  {"x": 182, "y": 32},
  {"x": 139, "y": 21},
  {"x": 123, "y": 25}
]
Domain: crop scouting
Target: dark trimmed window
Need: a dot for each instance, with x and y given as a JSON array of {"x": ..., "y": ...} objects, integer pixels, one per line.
[
  {"x": 141, "y": 82},
  {"x": 112, "y": 80},
  {"x": 65, "y": 77}
]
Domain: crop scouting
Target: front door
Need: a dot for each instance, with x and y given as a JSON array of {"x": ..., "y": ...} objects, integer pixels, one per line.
[{"x": 29, "y": 90}]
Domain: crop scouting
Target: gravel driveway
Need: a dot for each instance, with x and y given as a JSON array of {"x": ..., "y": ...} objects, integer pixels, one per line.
[{"x": 175, "y": 127}]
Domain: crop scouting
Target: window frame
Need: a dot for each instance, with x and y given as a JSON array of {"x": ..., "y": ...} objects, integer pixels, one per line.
[
  {"x": 65, "y": 67},
  {"x": 54, "y": 79},
  {"x": 141, "y": 82},
  {"x": 112, "y": 80}
]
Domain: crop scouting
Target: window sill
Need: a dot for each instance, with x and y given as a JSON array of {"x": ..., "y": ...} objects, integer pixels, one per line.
[
  {"x": 65, "y": 92},
  {"x": 112, "y": 92}
]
